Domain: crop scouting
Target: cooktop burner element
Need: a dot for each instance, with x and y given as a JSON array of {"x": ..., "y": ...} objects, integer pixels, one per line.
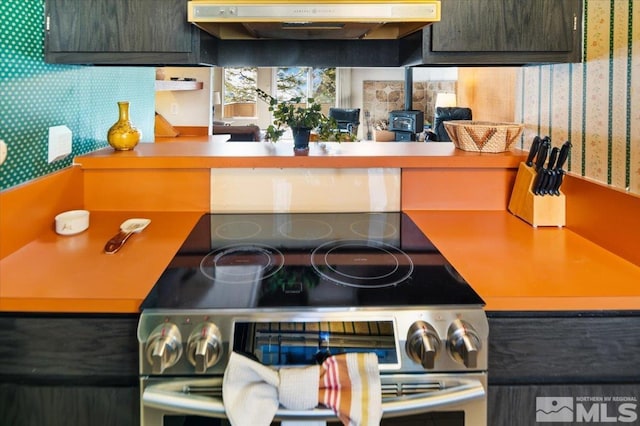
[
  {"x": 241, "y": 261},
  {"x": 373, "y": 227},
  {"x": 363, "y": 264},
  {"x": 305, "y": 229},
  {"x": 240, "y": 230}
]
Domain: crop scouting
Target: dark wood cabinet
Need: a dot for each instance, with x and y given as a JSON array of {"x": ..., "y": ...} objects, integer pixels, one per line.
[
  {"x": 564, "y": 347},
  {"x": 505, "y": 32},
  {"x": 156, "y": 32},
  {"x": 586, "y": 404},
  {"x": 69, "y": 370},
  {"x": 24, "y": 404},
  {"x": 585, "y": 357},
  {"x": 122, "y": 32},
  {"x": 76, "y": 370}
]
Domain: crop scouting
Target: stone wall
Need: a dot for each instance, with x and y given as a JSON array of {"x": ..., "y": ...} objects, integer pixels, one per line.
[{"x": 380, "y": 97}]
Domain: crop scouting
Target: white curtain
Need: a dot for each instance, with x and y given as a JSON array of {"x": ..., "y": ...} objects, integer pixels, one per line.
[{"x": 343, "y": 88}]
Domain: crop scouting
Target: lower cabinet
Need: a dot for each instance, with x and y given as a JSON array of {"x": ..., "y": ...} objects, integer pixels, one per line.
[
  {"x": 68, "y": 405},
  {"x": 68, "y": 370},
  {"x": 587, "y": 403},
  {"x": 79, "y": 370},
  {"x": 580, "y": 367}
]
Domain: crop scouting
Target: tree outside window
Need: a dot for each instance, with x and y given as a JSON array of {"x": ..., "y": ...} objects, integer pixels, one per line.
[
  {"x": 317, "y": 83},
  {"x": 324, "y": 85},
  {"x": 239, "y": 100},
  {"x": 240, "y": 86},
  {"x": 291, "y": 82}
]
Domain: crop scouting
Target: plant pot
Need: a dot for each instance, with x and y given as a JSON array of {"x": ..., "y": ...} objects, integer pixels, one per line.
[{"x": 301, "y": 137}]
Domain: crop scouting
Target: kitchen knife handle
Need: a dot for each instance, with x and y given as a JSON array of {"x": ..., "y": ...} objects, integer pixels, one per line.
[
  {"x": 562, "y": 158},
  {"x": 542, "y": 154},
  {"x": 557, "y": 182},
  {"x": 541, "y": 182},
  {"x": 552, "y": 157},
  {"x": 540, "y": 160},
  {"x": 564, "y": 153},
  {"x": 550, "y": 173},
  {"x": 535, "y": 145},
  {"x": 538, "y": 181}
]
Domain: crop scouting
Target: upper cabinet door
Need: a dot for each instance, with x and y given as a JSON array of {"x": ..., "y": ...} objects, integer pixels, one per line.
[
  {"x": 477, "y": 32},
  {"x": 119, "y": 31}
]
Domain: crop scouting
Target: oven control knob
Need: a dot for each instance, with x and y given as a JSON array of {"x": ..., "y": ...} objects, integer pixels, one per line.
[
  {"x": 423, "y": 344},
  {"x": 204, "y": 346},
  {"x": 164, "y": 347},
  {"x": 464, "y": 343}
]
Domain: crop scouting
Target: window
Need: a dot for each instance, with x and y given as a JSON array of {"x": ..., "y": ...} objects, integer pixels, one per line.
[
  {"x": 239, "y": 100},
  {"x": 324, "y": 85},
  {"x": 240, "y": 92},
  {"x": 317, "y": 83}
]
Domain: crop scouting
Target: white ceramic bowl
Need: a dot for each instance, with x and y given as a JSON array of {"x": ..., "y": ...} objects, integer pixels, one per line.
[{"x": 72, "y": 222}]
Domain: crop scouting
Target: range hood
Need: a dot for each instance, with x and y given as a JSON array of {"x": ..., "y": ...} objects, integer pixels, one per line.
[{"x": 312, "y": 20}]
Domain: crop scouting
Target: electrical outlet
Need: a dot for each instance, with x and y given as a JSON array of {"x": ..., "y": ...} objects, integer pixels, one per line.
[
  {"x": 3, "y": 151},
  {"x": 174, "y": 108},
  {"x": 59, "y": 143}
]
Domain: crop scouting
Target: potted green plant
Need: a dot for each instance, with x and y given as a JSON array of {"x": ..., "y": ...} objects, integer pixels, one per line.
[{"x": 301, "y": 119}]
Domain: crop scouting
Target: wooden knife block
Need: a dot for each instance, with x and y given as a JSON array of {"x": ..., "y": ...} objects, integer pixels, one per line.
[{"x": 536, "y": 210}]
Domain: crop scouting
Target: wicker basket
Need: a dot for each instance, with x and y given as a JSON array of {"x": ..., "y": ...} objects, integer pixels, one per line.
[{"x": 482, "y": 136}]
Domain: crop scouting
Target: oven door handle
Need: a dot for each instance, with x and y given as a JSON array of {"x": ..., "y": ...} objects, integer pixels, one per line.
[{"x": 171, "y": 396}]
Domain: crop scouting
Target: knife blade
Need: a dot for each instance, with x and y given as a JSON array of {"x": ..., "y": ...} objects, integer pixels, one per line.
[
  {"x": 535, "y": 145},
  {"x": 550, "y": 172},
  {"x": 562, "y": 158},
  {"x": 541, "y": 158}
]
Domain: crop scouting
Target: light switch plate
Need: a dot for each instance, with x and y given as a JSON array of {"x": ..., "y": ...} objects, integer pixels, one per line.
[
  {"x": 3, "y": 151},
  {"x": 59, "y": 143}
]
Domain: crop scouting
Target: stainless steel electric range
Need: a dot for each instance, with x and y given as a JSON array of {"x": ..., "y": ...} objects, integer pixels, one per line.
[{"x": 290, "y": 289}]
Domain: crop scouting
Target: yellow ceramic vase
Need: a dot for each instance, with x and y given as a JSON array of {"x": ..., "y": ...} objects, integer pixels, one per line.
[{"x": 122, "y": 136}]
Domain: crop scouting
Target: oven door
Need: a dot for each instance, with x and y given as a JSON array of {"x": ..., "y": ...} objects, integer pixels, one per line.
[{"x": 455, "y": 400}]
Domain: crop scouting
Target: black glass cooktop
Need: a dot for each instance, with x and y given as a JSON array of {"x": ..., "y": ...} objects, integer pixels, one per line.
[{"x": 308, "y": 260}]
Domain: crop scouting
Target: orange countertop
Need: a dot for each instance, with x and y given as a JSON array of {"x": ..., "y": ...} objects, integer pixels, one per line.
[
  {"x": 216, "y": 154},
  {"x": 71, "y": 273},
  {"x": 516, "y": 267},
  {"x": 513, "y": 266}
]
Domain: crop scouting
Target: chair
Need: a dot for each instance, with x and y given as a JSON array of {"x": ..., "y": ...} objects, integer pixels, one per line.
[
  {"x": 448, "y": 114},
  {"x": 348, "y": 119}
]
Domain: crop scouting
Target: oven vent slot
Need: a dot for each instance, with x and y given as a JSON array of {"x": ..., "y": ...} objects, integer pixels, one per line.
[
  {"x": 390, "y": 390},
  {"x": 212, "y": 391}
]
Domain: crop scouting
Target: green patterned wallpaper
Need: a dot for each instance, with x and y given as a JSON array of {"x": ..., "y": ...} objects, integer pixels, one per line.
[
  {"x": 35, "y": 95},
  {"x": 595, "y": 104}
]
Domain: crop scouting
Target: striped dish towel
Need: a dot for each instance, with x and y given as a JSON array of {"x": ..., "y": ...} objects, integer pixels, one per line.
[{"x": 349, "y": 384}]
